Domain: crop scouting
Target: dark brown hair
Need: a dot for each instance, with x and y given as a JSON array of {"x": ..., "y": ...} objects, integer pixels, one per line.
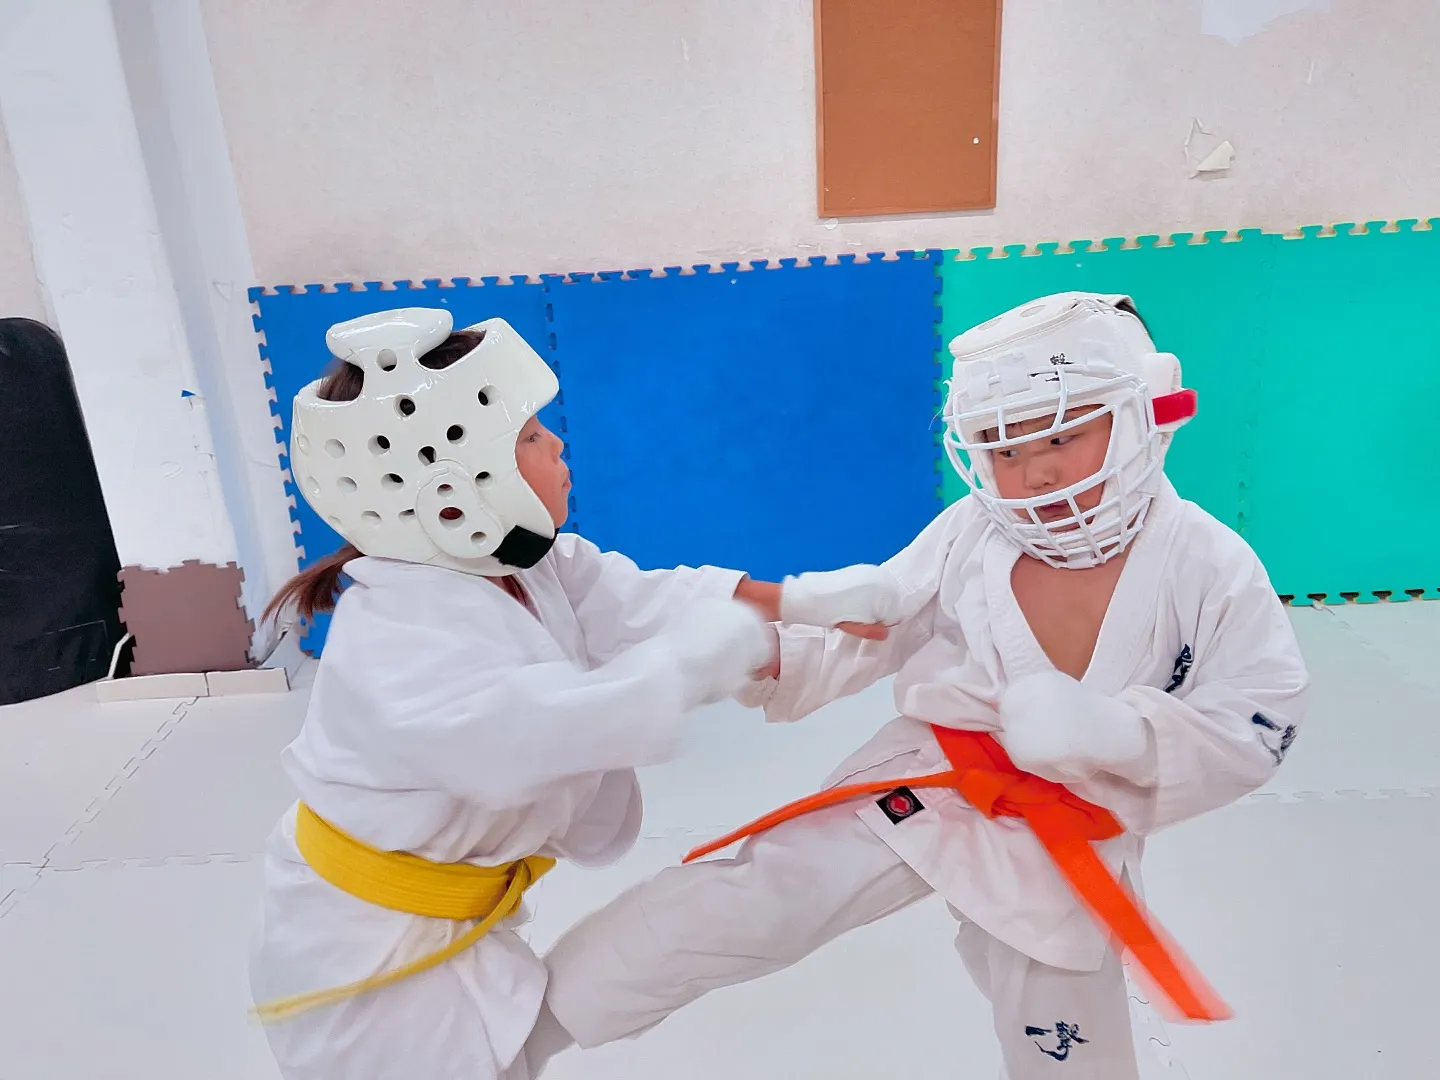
[
  {"x": 1128, "y": 306},
  {"x": 318, "y": 586}
]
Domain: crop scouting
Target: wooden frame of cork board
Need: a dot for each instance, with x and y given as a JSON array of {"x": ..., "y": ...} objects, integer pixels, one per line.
[{"x": 907, "y": 97}]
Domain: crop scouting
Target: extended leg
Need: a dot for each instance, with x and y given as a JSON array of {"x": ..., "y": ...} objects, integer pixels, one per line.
[{"x": 692, "y": 929}]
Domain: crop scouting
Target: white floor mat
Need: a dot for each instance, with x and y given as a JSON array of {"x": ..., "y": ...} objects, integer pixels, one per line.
[
  {"x": 62, "y": 756},
  {"x": 128, "y": 888},
  {"x": 125, "y": 972},
  {"x": 1364, "y": 730},
  {"x": 214, "y": 786},
  {"x": 1313, "y": 919}
]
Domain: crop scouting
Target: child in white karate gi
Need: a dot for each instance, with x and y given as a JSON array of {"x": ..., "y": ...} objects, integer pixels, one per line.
[
  {"x": 1123, "y": 646},
  {"x": 487, "y": 688}
]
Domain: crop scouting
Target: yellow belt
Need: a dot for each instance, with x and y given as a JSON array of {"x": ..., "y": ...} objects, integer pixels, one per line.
[{"x": 403, "y": 882}]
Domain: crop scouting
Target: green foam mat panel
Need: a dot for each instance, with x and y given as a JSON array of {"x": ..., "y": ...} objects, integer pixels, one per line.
[{"x": 1316, "y": 373}]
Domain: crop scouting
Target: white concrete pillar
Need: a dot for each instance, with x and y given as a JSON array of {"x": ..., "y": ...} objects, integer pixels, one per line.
[
  {"x": 20, "y": 293},
  {"x": 140, "y": 246}
]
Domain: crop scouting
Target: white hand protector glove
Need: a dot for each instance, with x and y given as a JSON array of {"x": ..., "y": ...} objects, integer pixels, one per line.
[
  {"x": 718, "y": 644},
  {"x": 1066, "y": 732},
  {"x": 860, "y": 593}
]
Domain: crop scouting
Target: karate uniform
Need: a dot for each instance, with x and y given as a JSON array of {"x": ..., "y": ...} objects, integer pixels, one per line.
[
  {"x": 1194, "y": 639},
  {"x": 449, "y": 721}
]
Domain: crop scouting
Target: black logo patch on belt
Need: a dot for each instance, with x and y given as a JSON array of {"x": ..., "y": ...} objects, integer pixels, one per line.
[{"x": 900, "y": 804}]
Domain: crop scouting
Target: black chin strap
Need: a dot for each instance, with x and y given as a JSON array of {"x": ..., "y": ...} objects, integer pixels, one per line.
[{"x": 522, "y": 548}]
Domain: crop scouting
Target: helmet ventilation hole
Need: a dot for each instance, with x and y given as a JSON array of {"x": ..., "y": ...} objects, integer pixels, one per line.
[
  {"x": 477, "y": 538},
  {"x": 445, "y": 489},
  {"x": 455, "y": 433},
  {"x": 379, "y": 444},
  {"x": 303, "y": 444},
  {"x": 452, "y": 516},
  {"x": 347, "y": 485},
  {"x": 427, "y": 455},
  {"x": 483, "y": 478},
  {"x": 335, "y": 448},
  {"x": 386, "y": 359},
  {"x": 405, "y": 406},
  {"x": 407, "y": 515},
  {"x": 485, "y": 394},
  {"x": 392, "y": 481},
  {"x": 370, "y": 519}
]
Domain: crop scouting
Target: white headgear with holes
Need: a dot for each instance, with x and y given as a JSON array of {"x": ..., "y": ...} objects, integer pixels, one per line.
[
  {"x": 421, "y": 466},
  {"x": 1048, "y": 359}
]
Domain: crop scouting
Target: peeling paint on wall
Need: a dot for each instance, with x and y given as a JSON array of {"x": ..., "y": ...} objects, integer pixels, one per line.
[
  {"x": 1207, "y": 155},
  {"x": 1236, "y": 20}
]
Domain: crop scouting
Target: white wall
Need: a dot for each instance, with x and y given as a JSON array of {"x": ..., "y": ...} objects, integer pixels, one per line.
[
  {"x": 20, "y": 293},
  {"x": 375, "y": 139}
]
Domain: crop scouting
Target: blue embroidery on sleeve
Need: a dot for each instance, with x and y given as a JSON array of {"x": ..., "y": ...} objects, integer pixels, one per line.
[
  {"x": 1287, "y": 736},
  {"x": 1183, "y": 663}
]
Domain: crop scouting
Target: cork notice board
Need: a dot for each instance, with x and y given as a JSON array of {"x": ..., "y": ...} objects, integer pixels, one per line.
[{"x": 907, "y": 105}]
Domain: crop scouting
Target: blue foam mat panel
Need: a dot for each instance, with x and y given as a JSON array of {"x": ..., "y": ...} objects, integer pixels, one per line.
[
  {"x": 294, "y": 322},
  {"x": 774, "y": 419}
]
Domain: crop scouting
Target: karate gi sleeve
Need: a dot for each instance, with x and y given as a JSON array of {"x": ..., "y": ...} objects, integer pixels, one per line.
[
  {"x": 497, "y": 731},
  {"x": 619, "y": 605},
  {"x": 1224, "y": 731},
  {"x": 820, "y": 666}
]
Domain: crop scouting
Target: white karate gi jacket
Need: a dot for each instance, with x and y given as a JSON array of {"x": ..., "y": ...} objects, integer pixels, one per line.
[
  {"x": 448, "y": 721},
  {"x": 1194, "y": 638}
]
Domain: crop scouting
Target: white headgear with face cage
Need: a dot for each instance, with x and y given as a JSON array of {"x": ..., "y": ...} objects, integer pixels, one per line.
[
  {"x": 1049, "y": 358},
  {"x": 421, "y": 466}
]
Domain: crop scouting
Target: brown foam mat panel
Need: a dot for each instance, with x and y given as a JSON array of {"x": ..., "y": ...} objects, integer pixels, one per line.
[{"x": 187, "y": 618}]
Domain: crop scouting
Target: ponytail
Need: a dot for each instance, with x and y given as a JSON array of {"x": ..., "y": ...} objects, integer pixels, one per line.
[{"x": 315, "y": 589}]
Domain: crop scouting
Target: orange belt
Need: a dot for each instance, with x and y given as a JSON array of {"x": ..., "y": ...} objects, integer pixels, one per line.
[{"x": 982, "y": 772}]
